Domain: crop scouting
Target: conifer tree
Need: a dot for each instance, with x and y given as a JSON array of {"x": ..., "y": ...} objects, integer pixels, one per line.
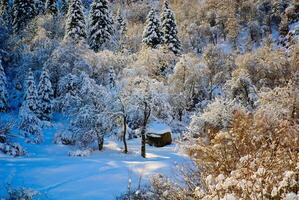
[
  {"x": 75, "y": 23},
  {"x": 40, "y": 6},
  {"x": 121, "y": 29},
  {"x": 284, "y": 26},
  {"x": 112, "y": 76},
  {"x": 29, "y": 122},
  {"x": 64, "y": 7},
  {"x": 151, "y": 34},
  {"x": 30, "y": 125},
  {"x": 45, "y": 97},
  {"x": 23, "y": 12},
  {"x": 3, "y": 91},
  {"x": 51, "y": 7},
  {"x": 31, "y": 94},
  {"x": 3, "y": 6},
  {"x": 100, "y": 24},
  {"x": 5, "y": 12},
  {"x": 121, "y": 24},
  {"x": 86, "y": 4},
  {"x": 169, "y": 30}
]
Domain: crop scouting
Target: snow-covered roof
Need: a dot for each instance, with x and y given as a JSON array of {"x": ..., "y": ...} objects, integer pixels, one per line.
[
  {"x": 158, "y": 128},
  {"x": 294, "y": 26}
]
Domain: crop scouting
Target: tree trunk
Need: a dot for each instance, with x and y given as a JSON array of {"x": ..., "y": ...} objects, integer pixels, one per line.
[
  {"x": 100, "y": 142},
  {"x": 124, "y": 134},
  {"x": 211, "y": 90},
  {"x": 181, "y": 115},
  {"x": 146, "y": 115},
  {"x": 143, "y": 154}
]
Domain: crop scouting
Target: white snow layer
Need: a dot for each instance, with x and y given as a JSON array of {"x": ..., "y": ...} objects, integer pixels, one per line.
[{"x": 48, "y": 169}]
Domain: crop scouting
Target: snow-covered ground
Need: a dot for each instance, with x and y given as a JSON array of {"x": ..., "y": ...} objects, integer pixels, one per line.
[
  {"x": 48, "y": 169},
  {"x": 294, "y": 26}
]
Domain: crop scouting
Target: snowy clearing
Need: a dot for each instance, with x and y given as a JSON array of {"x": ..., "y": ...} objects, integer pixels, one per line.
[{"x": 102, "y": 175}]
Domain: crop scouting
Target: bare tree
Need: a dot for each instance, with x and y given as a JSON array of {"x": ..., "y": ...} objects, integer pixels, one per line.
[
  {"x": 146, "y": 115},
  {"x": 124, "y": 117}
]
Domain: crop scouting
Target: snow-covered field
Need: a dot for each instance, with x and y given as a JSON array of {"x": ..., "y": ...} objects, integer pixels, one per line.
[{"x": 48, "y": 169}]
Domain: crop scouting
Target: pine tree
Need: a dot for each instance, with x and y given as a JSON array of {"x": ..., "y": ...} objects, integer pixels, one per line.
[
  {"x": 5, "y": 12},
  {"x": 100, "y": 24},
  {"x": 169, "y": 30},
  {"x": 151, "y": 34},
  {"x": 284, "y": 26},
  {"x": 64, "y": 7},
  {"x": 112, "y": 76},
  {"x": 45, "y": 97},
  {"x": 23, "y": 12},
  {"x": 3, "y": 6},
  {"x": 86, "y": 4},
  {"x": 30, "y": 125},
  {"x": 29, "y": 122},
  {"x": 121, "y": 24},
  {"x": 31, "y": 94},
  {"x": 3, "y": 91},
  {"x": 75, "y": 23},
  {"x": 40, "y": 6},
  {"x": 121, "y": 29},
  {"x": 51, "y": 7}
]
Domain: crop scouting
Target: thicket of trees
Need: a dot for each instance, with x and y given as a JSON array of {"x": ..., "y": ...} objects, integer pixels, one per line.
[{"x": 223, "y": 74}]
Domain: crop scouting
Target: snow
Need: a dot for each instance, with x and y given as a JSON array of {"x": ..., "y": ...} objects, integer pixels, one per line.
[
  {"x": 158, "y": 128},
  {"x": 48, "y": 169},
  {"x": 226, "y": 46},
  {"x": 294, "y": 26}
]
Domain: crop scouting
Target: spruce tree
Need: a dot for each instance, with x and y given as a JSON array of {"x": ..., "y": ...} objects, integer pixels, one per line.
[
  {"x": 169, "y": 30},
  {"x": 45, "y": 97},
  {"x": 40, "y": 6},
  {"x": 151, "y": 34},
  {"x": 86, "y": 4},
  {"x": 31, "y": 94},
  {"x": 121, "y": 24},
  {"x": 3, "y": 91},
  {"x": 100, "y": 24},
  {"x": 121, "y": 30},
  {"x": 112, "y": 76},
  {"x": 23, "y": 12},
  {"x": 284, "y": 26},
  {"x": 29, "y": 122},
  {"x": 30, "y": 125},
  {"x": 64, "y": 7},
  {"x": 51, "y": 7},
  {"x": 3, "y": 6},
  {"x": 5, "y": 12},
  {"x": 75, "y": 23}
]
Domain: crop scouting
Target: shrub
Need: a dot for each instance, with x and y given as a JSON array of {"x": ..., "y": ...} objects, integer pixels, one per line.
[
  {"x": 257, "y": 157},
  {"x": 21, "y": 193},
  {"x": 12, "y": 149},
  {"x": 64, "y": 138},
  {"x": 80, "y": 153}
]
